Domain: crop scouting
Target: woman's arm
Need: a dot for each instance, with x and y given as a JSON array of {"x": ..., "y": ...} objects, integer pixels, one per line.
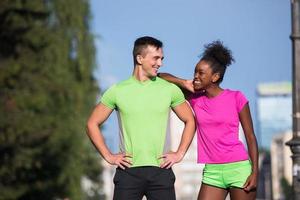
[
  {"x": 246, "y": 122},
  {"x": 186, "y": 85}
]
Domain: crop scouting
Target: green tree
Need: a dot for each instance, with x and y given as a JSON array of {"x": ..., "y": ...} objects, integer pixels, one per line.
[{"x": 47, "y": 91}]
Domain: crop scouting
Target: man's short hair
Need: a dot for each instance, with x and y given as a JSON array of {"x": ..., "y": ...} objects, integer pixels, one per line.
[{"x": 142, "y": 43}]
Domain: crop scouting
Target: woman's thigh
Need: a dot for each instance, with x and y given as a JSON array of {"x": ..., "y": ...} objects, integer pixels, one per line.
[
  {"x": 240, "y": 194},
  {"x": 208, "y": 192}
]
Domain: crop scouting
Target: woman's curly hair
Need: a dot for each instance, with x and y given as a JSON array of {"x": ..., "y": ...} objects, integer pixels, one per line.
[{"x": 218, "y": 57}]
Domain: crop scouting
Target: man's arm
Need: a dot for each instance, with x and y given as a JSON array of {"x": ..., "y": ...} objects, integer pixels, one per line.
[
  {"x": 97, "y": 118},
  {"x": 185, "y": 114}
]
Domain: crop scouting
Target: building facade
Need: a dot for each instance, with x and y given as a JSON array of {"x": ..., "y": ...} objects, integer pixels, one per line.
[
  {"x": 281, "y": 165},
  {"x": 274, "y": 109}
]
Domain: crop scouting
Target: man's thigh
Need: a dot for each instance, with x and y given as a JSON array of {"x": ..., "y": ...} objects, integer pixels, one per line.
[
  {"x": 128, "y": 186},
  {"x": 161, "y": 185}
]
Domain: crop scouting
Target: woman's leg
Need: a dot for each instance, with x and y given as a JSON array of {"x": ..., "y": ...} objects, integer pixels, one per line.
[
  {"x": 240, "y": 194},
  {"x": 208, "y": 192}
]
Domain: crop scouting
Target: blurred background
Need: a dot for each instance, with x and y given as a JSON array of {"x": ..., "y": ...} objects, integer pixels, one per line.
[{"x": 57, "y": 57}]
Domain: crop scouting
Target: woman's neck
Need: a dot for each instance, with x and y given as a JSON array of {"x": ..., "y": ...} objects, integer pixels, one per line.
[{"x": 213, "y": 91}]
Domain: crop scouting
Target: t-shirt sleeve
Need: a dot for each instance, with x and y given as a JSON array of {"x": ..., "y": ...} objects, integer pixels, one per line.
[
  {"x": 177, "y": 96},
  {"x": 109, "y": 97},
  {"x": 241, "y": 100}
]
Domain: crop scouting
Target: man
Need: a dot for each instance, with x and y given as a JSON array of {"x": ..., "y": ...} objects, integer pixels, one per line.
[{"x": 143, "y": 102}]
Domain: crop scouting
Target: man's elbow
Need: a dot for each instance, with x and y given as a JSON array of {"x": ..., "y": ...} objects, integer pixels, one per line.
[
  {"x": 89, "y": 126},
  {"x": 191, "y": 122}
]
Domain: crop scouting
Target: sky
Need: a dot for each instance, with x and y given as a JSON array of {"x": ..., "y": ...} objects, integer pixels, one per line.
[{"x": 256, "y": 31}]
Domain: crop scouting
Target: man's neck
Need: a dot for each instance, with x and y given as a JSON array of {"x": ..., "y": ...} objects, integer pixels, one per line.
[{"x": 139, "y": 74}]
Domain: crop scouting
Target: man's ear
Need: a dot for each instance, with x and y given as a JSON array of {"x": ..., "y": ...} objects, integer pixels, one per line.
[
  {"x": 139, "y": 59},
  {"x": 215, "y": 77}
]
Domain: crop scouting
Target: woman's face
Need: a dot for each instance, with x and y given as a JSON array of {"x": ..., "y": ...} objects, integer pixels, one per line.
[{"x": 203, "y": 76}]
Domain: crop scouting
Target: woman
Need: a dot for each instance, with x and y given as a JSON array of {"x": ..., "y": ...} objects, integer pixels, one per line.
[{"x": 229, "y": 168}]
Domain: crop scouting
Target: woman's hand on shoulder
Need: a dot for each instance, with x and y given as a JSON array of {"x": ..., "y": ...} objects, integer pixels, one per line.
[{"x": 188, "y": 85}]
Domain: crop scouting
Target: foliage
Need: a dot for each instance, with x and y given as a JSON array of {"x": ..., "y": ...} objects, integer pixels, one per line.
[{"x": 47, "y": 91}]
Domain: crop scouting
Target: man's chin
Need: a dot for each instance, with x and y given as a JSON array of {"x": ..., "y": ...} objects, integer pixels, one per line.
[{"x": 153, "y": 75}]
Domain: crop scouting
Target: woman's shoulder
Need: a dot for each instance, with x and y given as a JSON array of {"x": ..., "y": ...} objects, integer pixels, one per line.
[
  {"x": 233, "y": 92},
  {"x": 238, "y": 95}
]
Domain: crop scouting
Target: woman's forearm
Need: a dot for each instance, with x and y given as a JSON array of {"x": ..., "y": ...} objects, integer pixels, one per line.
[{"x": 173, "y": 79}]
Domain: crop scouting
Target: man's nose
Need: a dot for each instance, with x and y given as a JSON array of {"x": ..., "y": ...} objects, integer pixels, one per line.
[{"x": 160, "y": 63}]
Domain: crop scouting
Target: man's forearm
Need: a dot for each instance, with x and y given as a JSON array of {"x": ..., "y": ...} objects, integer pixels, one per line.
[{"x": 97, "y": 139}]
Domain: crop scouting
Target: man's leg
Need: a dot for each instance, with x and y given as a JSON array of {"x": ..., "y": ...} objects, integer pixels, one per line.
[
  {"x": 128, "y": 185},
  {"x": 160, "y": 184}
]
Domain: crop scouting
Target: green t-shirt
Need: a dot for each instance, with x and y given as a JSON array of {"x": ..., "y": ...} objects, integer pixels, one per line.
[{"x": 143, "y": 110}]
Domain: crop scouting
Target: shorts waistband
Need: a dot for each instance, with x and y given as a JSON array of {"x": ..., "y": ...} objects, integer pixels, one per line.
[{"x": 230, "y": 165}]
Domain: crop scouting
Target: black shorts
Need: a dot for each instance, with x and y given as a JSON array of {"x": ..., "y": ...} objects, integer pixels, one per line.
[{"x": 153, "y": 182}]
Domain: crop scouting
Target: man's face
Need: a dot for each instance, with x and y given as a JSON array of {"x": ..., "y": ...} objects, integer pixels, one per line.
[{"x": 151, "y": 61}]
